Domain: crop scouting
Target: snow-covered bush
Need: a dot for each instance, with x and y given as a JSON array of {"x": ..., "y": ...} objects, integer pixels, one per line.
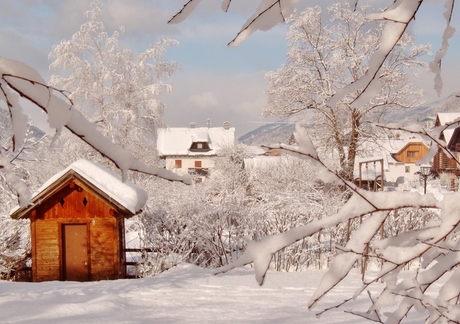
[
  {"x": 286, "y": 194},
  {"x": 14, "y": 247}
]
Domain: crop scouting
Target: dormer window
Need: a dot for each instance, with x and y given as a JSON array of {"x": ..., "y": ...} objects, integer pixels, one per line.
[{"x": 200, "y": 147}]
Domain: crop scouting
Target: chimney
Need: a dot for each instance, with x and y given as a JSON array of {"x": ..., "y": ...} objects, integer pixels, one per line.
[
  {"x": 226, "y": 125},
  {"x": 192, "y": 125},
  {"x": 209, "y": 122}
]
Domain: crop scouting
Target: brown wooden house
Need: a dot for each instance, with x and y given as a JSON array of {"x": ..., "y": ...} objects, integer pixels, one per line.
[
  {"x": 77, "y": 224},
  {"x": 411, "y": 152},
  {"x": 442, "y": 162}
]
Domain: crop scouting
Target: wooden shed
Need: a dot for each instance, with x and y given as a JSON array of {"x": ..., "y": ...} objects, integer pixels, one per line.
[{"x": 77, "y": 224}]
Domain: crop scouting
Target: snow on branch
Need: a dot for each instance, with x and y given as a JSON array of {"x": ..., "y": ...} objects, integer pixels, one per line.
[
  {"x": 449, "y": 31},
  {"x": 184, "y": 12},
  {"x": 268, "y": 14},
  {"x": 23, "y": 192},
  {"x": 397, "y": 17},
  {"x": 434, "y": 245},
  {"x": 361, "y": 203},
  {"x": 16, "y": 78},
  {"x": 434, "y": 135}
]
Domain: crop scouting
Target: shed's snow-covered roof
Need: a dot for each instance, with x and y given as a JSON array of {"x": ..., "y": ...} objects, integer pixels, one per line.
[
  {"x": 177, "y": 141},
  {"x": 126, "y": 194}
]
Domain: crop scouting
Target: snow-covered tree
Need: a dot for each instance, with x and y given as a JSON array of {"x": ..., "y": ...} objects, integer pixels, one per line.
[
  {"x": 322, "y": 58},
  {"x": 229, "y": 180},
  {"x": 118, "y": 90},
  {"x": 276, "y": 186}
]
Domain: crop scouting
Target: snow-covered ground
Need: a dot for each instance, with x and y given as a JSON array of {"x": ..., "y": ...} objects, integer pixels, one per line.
[{"x": 184, "y": 294}]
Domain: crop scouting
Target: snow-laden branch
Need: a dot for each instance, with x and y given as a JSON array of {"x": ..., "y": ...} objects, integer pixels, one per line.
[
  {"x": 23, "y": 192},
  {"x": 16, "y": 78},
  {"x": 434, "y": 135},
  {"x": 449, "y": 31},
  {"x": 268, "y": 14},
  {"x": 361, "y": 203},
  {"x": 397, "y": 17},
  {"x": 184, "y": 12},
  {"x": 433, "y": 244}
]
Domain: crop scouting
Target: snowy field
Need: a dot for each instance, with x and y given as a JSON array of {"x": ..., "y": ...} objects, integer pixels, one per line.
[{"x": 184, "y": 294}]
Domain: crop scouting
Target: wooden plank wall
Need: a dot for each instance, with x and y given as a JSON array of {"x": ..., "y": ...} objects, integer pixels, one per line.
[
  {"x": 419, "y": 149},
  {"x": 75, "y": 204}
]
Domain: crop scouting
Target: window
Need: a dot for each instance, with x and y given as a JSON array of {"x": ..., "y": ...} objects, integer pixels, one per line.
[
  {"x": 178, "y": 164},
  {"x": 411, "y": 154},
  {"x": 407, "y": 169},
  {"x": 197, "y": 164},
  {"x": 200, "y": 147}
]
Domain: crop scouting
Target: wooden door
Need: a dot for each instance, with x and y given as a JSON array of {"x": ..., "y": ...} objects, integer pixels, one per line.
[{"x": 75, "y": 252}]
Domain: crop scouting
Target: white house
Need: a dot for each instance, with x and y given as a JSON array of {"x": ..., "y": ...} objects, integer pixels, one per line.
[{"x": 191, "y": 150}]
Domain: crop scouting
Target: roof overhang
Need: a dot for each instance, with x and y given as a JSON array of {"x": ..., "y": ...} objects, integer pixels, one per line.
[
  {"x": 71, "y": 176},
  {"x": 124, "y": 197}
]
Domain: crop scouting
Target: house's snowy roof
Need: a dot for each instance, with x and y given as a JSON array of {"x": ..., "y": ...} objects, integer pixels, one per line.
[
  {"x": 445, "y": 118},
  {"x": 126, "y": 194},
  {"x": 177, "y": 141}
]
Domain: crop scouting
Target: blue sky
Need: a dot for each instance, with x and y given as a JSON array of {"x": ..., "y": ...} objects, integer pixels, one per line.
[{"x": 215, "y": 81}]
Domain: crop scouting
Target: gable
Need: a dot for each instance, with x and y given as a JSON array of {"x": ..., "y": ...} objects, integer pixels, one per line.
[
  {"x": 411, "y": 152},
  {"x": 444, "y": 118}
]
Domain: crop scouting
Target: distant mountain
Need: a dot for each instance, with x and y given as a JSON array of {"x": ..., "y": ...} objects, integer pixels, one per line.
[
  {"x": 281, "y": 131},
  {"x": 5, "y": 124},
  {"x": 277, "y": 132},
  {"x": 406, "y": 116}
]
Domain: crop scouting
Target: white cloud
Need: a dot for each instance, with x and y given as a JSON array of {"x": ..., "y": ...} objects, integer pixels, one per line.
[
  {"x": 204, "y": 100},
  {"x": 240, "y": 100},
  {"x": 141, "y": 19}
]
